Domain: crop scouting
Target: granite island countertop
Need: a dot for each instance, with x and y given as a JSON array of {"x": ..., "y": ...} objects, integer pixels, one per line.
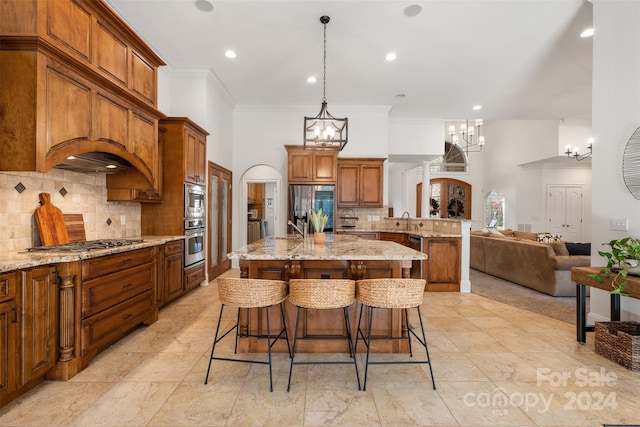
[
  {"x": 337, "y": 247},
  {"x": 16, "y": 260}
]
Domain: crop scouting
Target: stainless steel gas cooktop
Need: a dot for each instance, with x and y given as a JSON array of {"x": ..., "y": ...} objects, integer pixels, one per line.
[{"x": 86, "y": 246}]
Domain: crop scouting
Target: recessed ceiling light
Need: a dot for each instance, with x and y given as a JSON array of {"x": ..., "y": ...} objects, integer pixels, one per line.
[
  {"x": 477, "y": 107},
  {"x": 390, "y": 56},
  {"x": 311, "y": 79},
  {"x": 587, "y": 33},
  {"x": 230, "y": 54},
  {"x": 412, "y": 10},
  {"x": 204, "y": 5},
  {"x": 111, "y": 166}
]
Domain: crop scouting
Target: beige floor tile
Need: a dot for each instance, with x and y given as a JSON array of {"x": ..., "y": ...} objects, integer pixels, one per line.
[
  {"x": 188, "y": 341},
  {"x": 339, "y": 403},
  {"x": 504, "y": 366},
  {"x": 111, "y": 366},
  {"x": 143, "y": 340},
  {"x": 481, "y": 403},
  {"x": 475, "y": 342},
  {"x": 53, "y": 403},
  {"x": 256, "y": 406},
  {"x": 410, "y": 404},
  {"x": 454, "y": 367},
  {"x": 127, "y": 404},
  {"x": 194, "y": 404},
  {"x": 164, "y": 367}
]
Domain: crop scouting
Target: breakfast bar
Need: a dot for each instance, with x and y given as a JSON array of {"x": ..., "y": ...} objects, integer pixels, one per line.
[{"x": 341, "y": 257}]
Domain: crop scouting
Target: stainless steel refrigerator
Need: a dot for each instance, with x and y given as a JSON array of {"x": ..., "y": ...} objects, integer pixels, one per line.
[{"x": 303, "y": 198}]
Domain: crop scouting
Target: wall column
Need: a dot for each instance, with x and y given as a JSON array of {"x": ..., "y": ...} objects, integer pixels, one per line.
[{"x": 426, "y": 190}]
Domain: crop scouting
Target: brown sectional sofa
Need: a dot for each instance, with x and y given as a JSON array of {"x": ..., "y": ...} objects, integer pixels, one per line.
[{"x": 519, "y": 258}]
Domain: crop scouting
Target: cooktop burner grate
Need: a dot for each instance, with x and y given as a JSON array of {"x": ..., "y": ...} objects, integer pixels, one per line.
[{"x": 86, "y": 246}]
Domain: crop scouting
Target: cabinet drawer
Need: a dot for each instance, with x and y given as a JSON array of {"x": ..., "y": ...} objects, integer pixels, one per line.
[
  {"x": 108, "y": 264},
  {"x": 7, "y": 286},
  {"x": 193, "y": 276},
  {"x": 104, "y": 292},
  {"x": 175, "y": 247},
  {"x": 104, "y": 328}
]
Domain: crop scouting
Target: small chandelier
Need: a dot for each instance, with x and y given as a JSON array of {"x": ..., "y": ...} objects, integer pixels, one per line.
[
  {"x": 466, "y": 135},
  {"x": 325, "y": 132},
  {"x": 576, "y": 152}
]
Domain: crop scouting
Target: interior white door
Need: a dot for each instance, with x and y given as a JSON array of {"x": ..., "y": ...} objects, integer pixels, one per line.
[{"x": 564, "y": 211}]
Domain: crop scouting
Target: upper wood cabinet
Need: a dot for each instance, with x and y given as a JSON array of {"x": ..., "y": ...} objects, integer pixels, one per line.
[
  {"x": 186, "y": 146},
  {"x": 75, "y": 79},
  {"x": 308, "y": 167},
  {"x": 360, "y": 182}
]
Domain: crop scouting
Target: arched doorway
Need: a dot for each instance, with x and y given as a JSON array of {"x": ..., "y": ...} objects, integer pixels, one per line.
[{"x": 266, "y": 205}]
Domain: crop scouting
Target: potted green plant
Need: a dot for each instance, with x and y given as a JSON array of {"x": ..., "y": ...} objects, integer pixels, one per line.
[
  {"x": 623, "y": 259},
  {"x": 318, "y": 220}
]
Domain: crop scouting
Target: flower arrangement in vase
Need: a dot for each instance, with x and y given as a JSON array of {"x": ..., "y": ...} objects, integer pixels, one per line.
[{"x": 318, "y": 220}]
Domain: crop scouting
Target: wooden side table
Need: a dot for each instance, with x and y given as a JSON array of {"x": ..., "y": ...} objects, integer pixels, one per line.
[{"x": 579, "y": 276}]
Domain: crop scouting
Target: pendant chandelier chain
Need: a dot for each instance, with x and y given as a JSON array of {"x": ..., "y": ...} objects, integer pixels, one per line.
[{"x": 324, "y": 68}]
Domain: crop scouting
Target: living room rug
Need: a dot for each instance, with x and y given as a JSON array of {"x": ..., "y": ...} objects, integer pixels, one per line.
[{"x": 560, "y": 308}]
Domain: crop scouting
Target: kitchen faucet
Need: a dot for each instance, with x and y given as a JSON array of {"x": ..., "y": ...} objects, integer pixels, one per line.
[
  {"x": 302, "y": 232},
  {"x": 408, "y": 216}
]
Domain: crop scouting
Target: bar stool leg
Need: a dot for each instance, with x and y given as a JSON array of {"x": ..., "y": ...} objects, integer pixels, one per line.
[
  {"x": 235, "y": 349},
  {"x": 351, "y": 348},
  {"x": 358, "y": 331},
  {"x": 284, "y": 328},
  {"x": 406, "y": 319},
  {"x": 424, "y": 337},
  {"x": 293, "y": 353},
  {"x": 266, "y": 309},
  {"x": 215, "y": 341},
  {"x": 368, "y": 344}
]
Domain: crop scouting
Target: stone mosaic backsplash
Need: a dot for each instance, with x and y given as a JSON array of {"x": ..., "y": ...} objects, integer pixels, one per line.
[{"x": 83, "y": 193}]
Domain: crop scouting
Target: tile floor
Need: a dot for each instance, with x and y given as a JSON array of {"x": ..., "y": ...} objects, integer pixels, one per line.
[{"x": 494, "y": 365}]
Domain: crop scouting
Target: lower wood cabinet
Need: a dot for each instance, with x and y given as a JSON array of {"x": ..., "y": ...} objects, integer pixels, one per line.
[
  {"x": 400, "y": 238},
  {"x": 9, "y": 349},
  {"x": 173, "y": 271},
  {"x": 193, "y": 276},
  {"x": 442, "y": 270}
]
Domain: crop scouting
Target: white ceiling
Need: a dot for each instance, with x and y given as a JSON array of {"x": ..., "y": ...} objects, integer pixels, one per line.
[{"x": 519, "y": 59}]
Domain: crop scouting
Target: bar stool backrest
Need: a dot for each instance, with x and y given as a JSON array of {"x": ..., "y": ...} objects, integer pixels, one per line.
[
  {"x": 251, "y": 293},
  {"x": 390, "y": 293},
  {"x": 322, "y": 293}
]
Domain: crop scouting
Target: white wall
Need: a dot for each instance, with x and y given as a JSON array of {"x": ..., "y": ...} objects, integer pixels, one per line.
[{"x": 616, "y": 114}]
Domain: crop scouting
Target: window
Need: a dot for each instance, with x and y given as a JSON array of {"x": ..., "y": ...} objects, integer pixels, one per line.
[
  {"x": 453, "y": 160},
  {"x": 495, "y": 209}
]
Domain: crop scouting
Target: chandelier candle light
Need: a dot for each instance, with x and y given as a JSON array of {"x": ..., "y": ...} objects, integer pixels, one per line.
[
  {"x": 325, "y": 132},
  {"x": 467, "y": 134},
  {"x": 575, "y": 153}
]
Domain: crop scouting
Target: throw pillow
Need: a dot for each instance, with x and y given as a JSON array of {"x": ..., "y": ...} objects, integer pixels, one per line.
[
  {"x": 525, "y": 235},
  {"x": 508, "y": 232},
  {"x": 547, "y": 237},
  {"x": 495, "y": 233},
  {"x": 578, "y": 248}
]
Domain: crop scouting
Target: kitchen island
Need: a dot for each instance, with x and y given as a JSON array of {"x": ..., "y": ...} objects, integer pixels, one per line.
[{"x": 341, "y": 257}]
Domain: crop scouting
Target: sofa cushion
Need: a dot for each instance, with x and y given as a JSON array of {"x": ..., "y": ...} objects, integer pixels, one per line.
[
  {"x": 493, "y": 232},
  {"x": 559, "y": 248},
  {"x": 567, "y": 262},
  {"x": 547, "y": 237},
  {"x": 508, "y": 232},
  {"x": 578, "y": 248},
  {"x": 525, "y": 235}
]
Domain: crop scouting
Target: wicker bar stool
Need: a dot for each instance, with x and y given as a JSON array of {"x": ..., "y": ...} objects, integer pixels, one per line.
[
  {"x": 251, "y": 293},
  {"x": 391, "y": 293},
  {"x": 322, "y": 294}
]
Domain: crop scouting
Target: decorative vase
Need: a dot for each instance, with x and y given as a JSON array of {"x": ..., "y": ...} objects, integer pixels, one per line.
[
  {"x": 319, "y": 238},
  {"x": 632, "y": 266}
]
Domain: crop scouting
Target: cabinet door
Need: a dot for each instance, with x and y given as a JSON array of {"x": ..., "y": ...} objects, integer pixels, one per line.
[
  {"x": 38, "y": 322},
  {"x": 442, "y": 268},
  {"x": 9, "y": 355},
  {"x": 325, "y": 167},
  {"x": 195, "y": 156},
  {"x": 348, "y": 185},
  {"x": 371, "y": 185},
  {"x": 300, "y": 167},
  {"x": 173, "y": 276}
]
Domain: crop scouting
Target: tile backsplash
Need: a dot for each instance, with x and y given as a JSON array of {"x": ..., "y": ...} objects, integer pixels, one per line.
[{"x": 84, "y": 193}]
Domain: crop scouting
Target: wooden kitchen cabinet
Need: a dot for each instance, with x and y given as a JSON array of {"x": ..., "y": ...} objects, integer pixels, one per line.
[
  {"x": 38, "y": 326},
  {"x": 173, "y": 271},
  {"x": 193, "y": 276},
  {"x": 442, "y": 270},
  {"x": 400, "y": 238},
  {"x": 196, "y": 155},
  {"x": 310, "y": 167},
  {"x": 9, "y": 349},
  {"x": 360, "y": 182},
  {"x": 186, "y": 146},
  {"x": 75, "y": 79}
]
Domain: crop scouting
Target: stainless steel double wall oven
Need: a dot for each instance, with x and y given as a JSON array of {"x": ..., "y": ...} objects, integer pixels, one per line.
[{"x": 194, "y": 223}]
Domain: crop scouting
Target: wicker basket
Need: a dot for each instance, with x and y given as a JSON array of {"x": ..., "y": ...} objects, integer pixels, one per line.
[
  {"x": 619, "y": 342},
  {"x": 391, "y": 293},
  {"x": 322, "y": 293}
]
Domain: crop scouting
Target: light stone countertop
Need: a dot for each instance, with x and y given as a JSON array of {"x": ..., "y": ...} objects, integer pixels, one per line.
[
  {"x": 418, "y": 233},
  {"x": 24, "y": 259},
  {"x": 337, "y": 247}
]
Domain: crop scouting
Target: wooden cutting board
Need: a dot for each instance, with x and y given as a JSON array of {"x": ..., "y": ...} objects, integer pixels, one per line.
[
  {"x": 75, "y": 227},
  {"x": 50, "y": 222}
]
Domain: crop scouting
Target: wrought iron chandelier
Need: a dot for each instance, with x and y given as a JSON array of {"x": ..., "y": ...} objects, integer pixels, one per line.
[
  {"x": 576, "y": 152},
  {"x": 325, "y": 132},
  {"x": 469, "y": 139}
]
